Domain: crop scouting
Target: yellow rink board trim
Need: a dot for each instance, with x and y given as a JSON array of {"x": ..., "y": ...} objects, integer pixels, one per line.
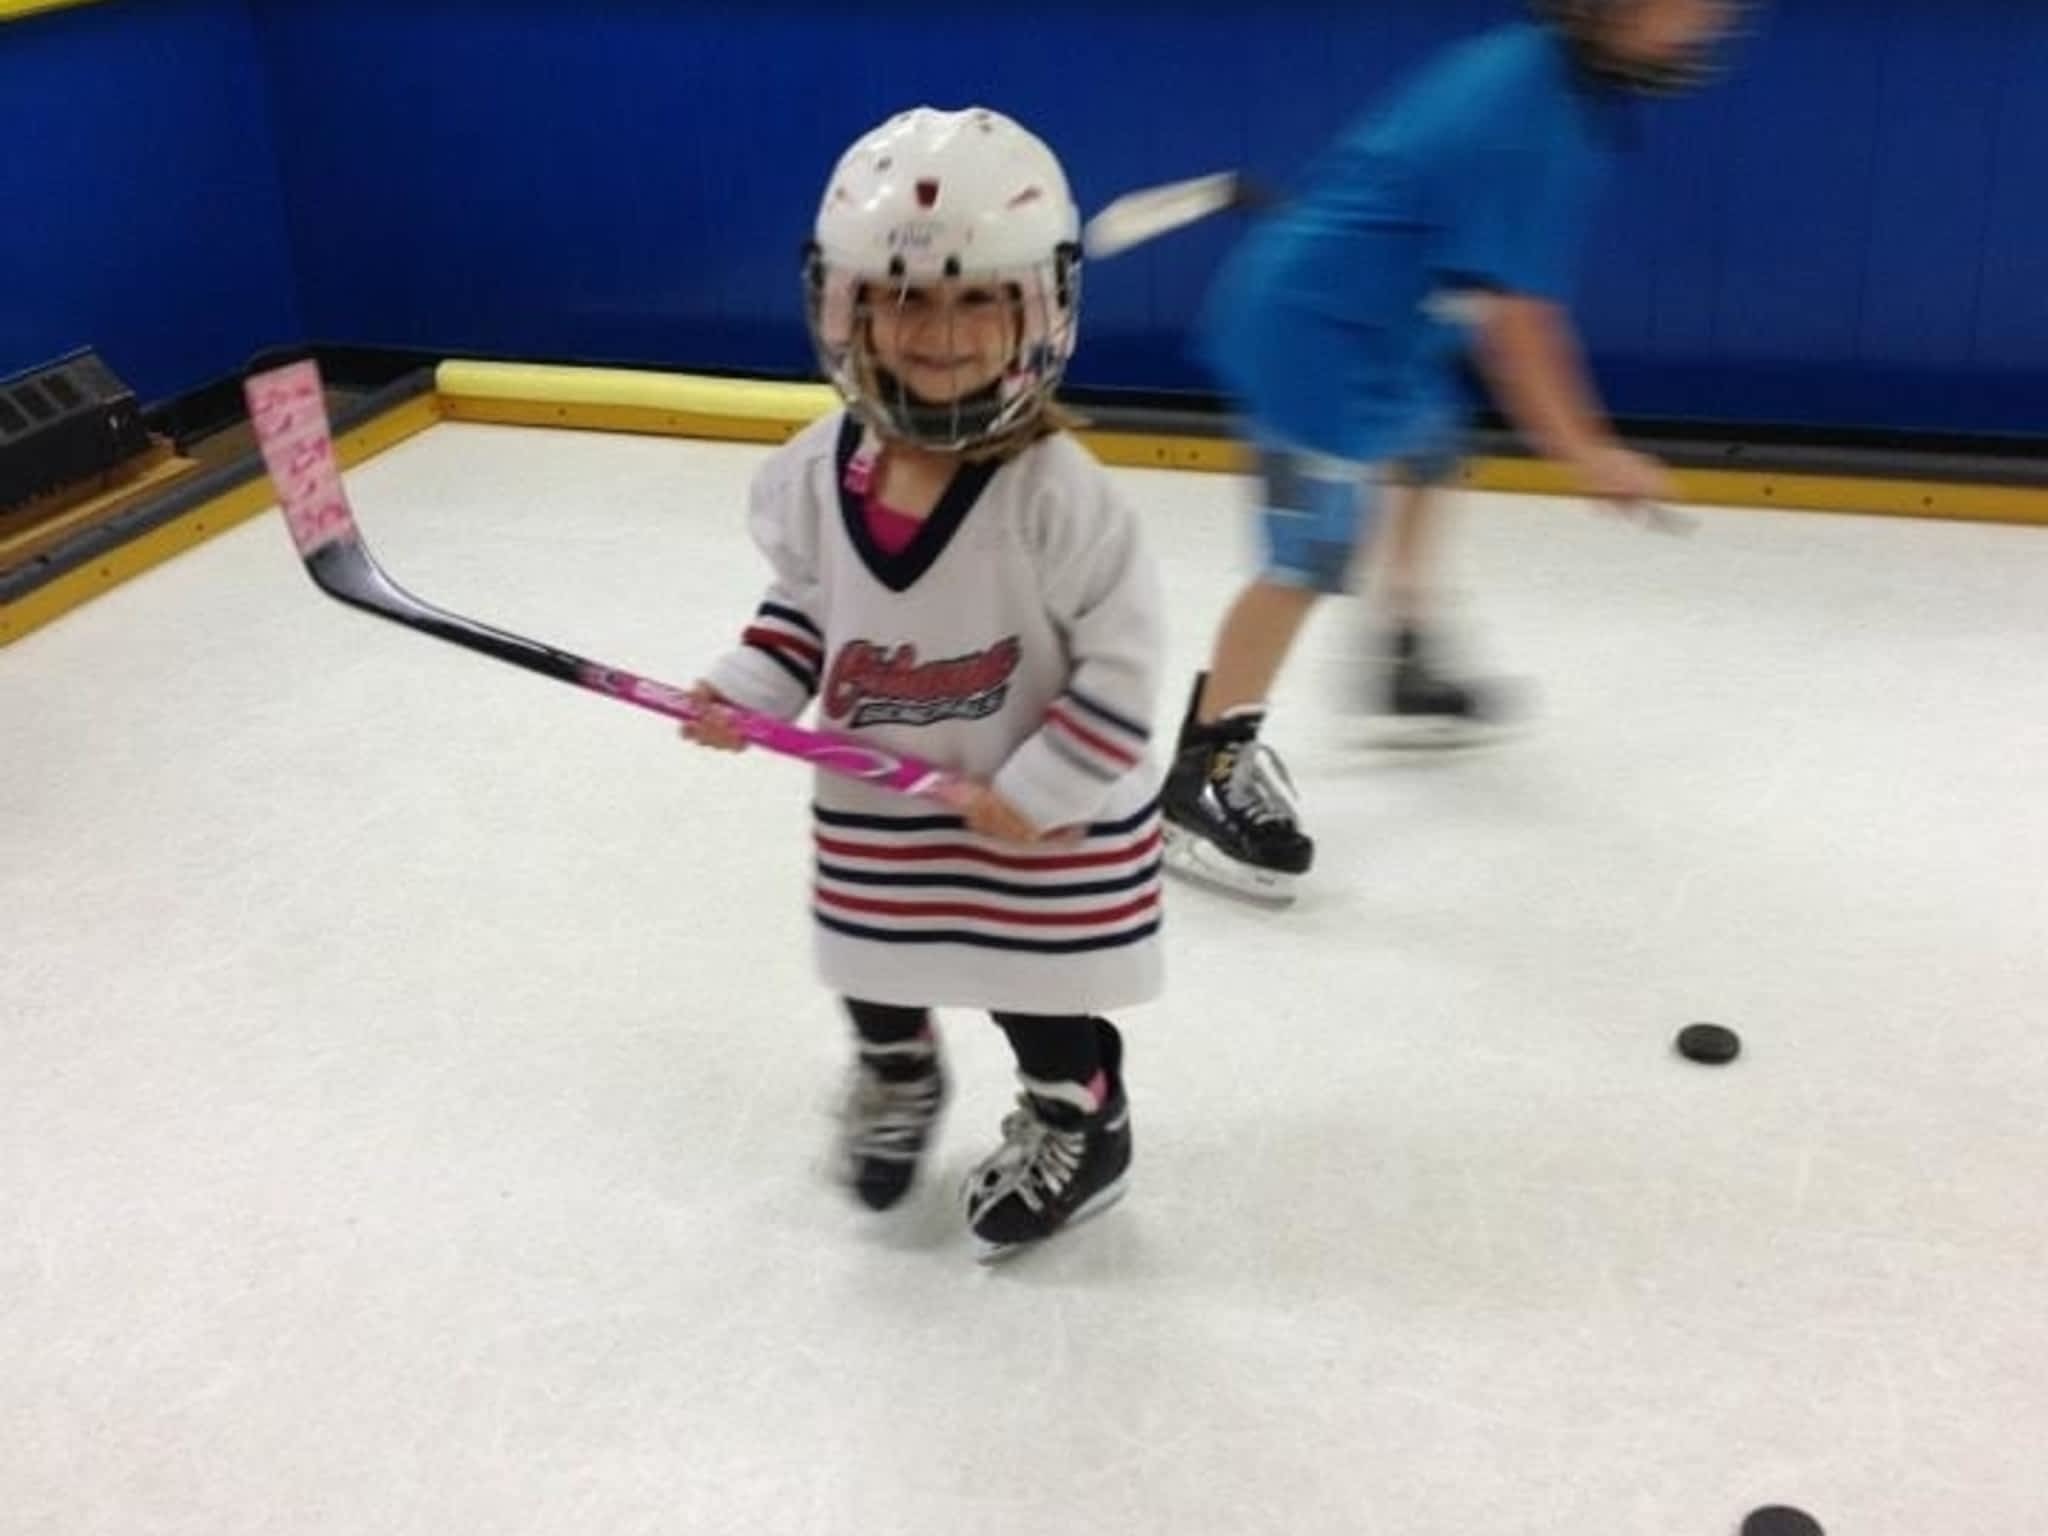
[
  {"x": 681, "y": 393},
  {"x": 653, "y": 420},
  {"x": 741, "y": 410},
  {"x": 55, "y": 527},
  {"x": 74, "y": 588},
  {"x": 1958, "y": 501},
  {"x": 15, "y": 10}
]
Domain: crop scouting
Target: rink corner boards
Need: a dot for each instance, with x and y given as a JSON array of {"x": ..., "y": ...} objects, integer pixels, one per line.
[
  {"x": 41, "y": 582},
  {"x": 37, "y": 591},
  {"x": 749, "y": 410}
]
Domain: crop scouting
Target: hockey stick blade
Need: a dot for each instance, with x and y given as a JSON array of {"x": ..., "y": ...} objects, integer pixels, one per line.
[
  {"x": 290, "y": 420},
  {"x": 1137, "y": 217}
]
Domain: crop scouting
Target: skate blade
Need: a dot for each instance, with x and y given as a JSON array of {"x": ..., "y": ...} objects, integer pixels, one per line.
[
  {"x": 1198, "y": 860},
  {"x": 1096, "y": 1204},
  {"x": 1433, "y": 733}
]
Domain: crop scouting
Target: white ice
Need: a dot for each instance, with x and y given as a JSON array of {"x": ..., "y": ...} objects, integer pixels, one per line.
[{"x": 412, "y": 1085}]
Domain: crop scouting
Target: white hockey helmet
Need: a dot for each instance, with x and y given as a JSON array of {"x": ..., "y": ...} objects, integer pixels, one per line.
[{"x": 931, "y": 196}]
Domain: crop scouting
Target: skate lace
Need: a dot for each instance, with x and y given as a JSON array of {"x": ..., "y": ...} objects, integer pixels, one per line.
[
  {"x": 1256, "y": 784},
  {"x": 1036, "y": 1161},
  {"x": 885, "y": 1117}
]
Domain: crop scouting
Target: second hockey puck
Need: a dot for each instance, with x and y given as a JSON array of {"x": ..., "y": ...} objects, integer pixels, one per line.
[
  {"x": 1779, "y": 1520},
  {"x": 1709, "y": 1043}
]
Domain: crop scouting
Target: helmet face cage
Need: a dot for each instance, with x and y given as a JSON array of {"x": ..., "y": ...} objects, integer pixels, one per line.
[
  {"x": 1043, "y": 303},
  {"x": 1583, "y": 22}
]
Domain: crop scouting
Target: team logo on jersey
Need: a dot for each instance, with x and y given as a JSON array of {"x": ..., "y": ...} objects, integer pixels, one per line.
[{"x": 872, "y": 685}]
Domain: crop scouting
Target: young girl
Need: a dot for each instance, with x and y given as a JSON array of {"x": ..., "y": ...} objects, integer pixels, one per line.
[
  {"x": 1442, "y": 224},
  {"x": 956, "y": 578}
]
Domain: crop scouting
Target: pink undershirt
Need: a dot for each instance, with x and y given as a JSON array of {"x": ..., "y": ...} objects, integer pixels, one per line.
[{"x": 891, "y": 530}]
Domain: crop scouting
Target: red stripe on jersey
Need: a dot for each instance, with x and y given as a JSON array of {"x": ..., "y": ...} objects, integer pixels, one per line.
[
  {"x": 974, "y": 911},
  {"x": 778, "y": 640},
  {"x": 914, "y": 852},
  {"x": 1080, "y": 732}
]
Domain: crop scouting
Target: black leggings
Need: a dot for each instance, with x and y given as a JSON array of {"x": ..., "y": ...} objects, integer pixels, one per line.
[{"x": 1052, "y": 1048}]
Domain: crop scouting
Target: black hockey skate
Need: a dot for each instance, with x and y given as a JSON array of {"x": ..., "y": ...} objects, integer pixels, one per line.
[
  {"x": 893, "y": 1098},
  {"x": 1231, "y": 811},
  {"x": 1063, "y": 1159},
  {"x": 1420, "y": 706}
]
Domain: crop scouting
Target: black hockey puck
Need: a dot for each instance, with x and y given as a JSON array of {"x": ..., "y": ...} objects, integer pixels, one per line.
[
  {"x": 1709, "y": 1043},
  {"x": 1779, "y": 1520}
]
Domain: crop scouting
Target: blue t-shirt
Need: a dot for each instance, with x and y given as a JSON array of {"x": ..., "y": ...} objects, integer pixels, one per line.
[{"x": 1335, "y": 322}]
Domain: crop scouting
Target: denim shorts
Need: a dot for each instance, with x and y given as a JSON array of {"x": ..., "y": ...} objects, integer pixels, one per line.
[{"x": 1316, "y": 512}]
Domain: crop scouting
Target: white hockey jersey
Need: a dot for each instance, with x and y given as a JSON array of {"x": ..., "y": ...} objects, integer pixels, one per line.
[{"x": 1017, "y": 640}]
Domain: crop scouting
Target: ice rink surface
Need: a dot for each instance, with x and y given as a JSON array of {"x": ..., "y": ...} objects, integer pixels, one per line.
[{"x": 415, "y": 1091}]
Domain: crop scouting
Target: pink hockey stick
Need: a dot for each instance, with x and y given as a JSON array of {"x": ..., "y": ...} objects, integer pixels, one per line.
[{"x": 290, "y": 418}]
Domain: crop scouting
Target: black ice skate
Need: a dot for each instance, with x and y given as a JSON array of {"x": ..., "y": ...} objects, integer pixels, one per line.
[
  {"x": 893, "y": 1098},
  {"x": 1231, "y": 812},
  {"x": 1063, "y": 1159},
  {"x": 1420, "y": 706}
]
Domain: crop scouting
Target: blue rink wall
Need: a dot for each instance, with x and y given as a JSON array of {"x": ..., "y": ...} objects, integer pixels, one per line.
[
  {"x": 1851, "y": 232},
  {"x": 140, "y": 210}
]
